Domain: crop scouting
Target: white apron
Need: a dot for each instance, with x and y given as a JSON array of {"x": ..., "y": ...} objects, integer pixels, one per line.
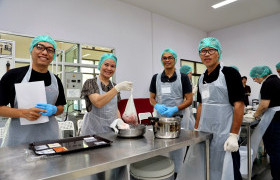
[
  {"x": 18, "y": 134},
  {"x": 171, "y": 94},
  {"x": 98, "y": 120},
  {"x": 259, "y": 131},
  {"x": 189, "y": 118},
  {"x": 216, "y": 117}
]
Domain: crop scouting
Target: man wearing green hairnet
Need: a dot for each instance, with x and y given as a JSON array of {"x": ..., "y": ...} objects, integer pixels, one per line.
[
  {"x": 43, "y": 51},
  {"x": 171, "y": 94},
  {"x": 220, "y": 111},
  {"x": 278, "y": 68},
  {"x": 269, "y": 112}
]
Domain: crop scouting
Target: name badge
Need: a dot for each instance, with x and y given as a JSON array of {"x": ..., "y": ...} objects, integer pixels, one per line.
[
  {"x": 166, "y": 89},
  {"x": 205, "y": 91}
]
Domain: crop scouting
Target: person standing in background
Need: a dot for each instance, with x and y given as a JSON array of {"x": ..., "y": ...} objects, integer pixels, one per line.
[
  {"x": 186, "y": 69},
  {"x": 247, "y": 90},
  {"x": 269, "y": 111},
  {"x": 278, "y": 68}
]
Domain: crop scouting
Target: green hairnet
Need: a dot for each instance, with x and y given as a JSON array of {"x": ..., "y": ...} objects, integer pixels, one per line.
[
  {"x": 260, "y": 71},
  {"x": 278, "y": 66},
  {"x": 235, "y": 67},
  {"x": 210, "y": 42},
  {"x": 106, "y": 56},
  {"x": 45, "y": 38},
  {"x": 186, "y": 69},
  {"x": 174, "y": 54}
]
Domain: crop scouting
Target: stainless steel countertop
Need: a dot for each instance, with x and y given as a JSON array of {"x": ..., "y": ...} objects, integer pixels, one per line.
[
  {"x": 14, "y": 164},
  {"x": 250, "y": 123}
]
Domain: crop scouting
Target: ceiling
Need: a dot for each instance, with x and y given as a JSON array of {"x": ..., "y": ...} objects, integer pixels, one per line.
[{"x": 200, "y": 14}]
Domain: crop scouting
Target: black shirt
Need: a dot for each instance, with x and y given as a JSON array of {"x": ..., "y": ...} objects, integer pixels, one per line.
[
  {"x": 270, "y": 90},
  {"x": 186, "y": 85},
  {"x": 7, "y": 87},
  {"x": 233, "y": 81}
]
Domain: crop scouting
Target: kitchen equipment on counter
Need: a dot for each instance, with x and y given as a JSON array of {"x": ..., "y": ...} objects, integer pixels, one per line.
[
  {"x": 166, "y": 127},
  {"x": 133, "y": 131}
]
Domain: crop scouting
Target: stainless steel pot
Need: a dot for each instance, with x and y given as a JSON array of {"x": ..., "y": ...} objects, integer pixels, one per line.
[
  {"x": 166, "y": 127},
  {"x": 133, "y": 131}
]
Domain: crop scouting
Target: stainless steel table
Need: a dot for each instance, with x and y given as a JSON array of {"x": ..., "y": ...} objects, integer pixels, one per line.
[
  {"x": 13, "y": 163},
  {"x": 247, "y": 126}
]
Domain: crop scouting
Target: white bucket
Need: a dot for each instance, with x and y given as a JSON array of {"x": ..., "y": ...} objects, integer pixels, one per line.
[{"x": 244, "y": 160}]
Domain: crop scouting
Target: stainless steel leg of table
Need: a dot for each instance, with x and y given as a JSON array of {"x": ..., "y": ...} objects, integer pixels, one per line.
[
  {"x": 249, "y": 152},
  {"x": 207, "y": 150}
]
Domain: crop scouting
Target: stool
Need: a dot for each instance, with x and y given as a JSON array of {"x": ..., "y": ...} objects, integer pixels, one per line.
[{"x": 155, "y": 168}]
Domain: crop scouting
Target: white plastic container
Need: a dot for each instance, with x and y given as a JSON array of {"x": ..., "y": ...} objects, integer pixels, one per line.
[{"x": 244, "y": 160}]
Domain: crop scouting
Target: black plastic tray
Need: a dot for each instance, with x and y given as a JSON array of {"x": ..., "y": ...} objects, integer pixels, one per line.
[{"x": 68, "y": 145}]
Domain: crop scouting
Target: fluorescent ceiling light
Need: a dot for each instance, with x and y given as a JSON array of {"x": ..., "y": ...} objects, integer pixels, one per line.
[{"x": 223, "y": 3}]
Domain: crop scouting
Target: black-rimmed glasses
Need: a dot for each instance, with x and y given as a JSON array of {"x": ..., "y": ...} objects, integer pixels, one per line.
[
  {"x": 41, "y": 47},
  {"x": 210, "y": 51},
  {"x": 169, "y": 58}
]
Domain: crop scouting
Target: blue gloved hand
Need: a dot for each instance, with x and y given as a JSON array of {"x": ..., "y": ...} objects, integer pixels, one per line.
[
  {"x": 170, "y": 111},
  {"x": 51, "y": 109},
  {"x": 161, "y": 108}
]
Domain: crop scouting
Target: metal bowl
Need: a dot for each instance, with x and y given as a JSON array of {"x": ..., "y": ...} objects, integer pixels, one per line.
[{"x": 133, "y": 131}]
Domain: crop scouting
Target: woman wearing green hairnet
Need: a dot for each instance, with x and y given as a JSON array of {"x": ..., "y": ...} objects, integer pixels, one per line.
[
  {"x": 101, "y": 97},
  {"x": 269, "y": 112},
  {"x": 43, "y": 51}
]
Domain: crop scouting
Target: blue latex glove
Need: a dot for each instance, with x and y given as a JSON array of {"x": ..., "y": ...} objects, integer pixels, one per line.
[
  {"x": 51, "y": 109},
  {"x": 161, "y": 108},
  {"x": 170, "y": 111}
]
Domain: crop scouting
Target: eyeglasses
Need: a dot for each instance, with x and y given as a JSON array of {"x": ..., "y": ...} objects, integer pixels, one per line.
[
  {"x": 210, "y": 51},
  {"x": 169, "y": 58},
  {"x": 42, "y": 48}
]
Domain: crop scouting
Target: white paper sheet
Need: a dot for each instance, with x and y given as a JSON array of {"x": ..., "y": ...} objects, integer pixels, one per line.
[{"x": 28, "y": 95}]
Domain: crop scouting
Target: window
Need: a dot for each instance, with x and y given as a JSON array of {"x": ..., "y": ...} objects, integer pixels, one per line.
[
  {"x": 198, "y": 69},
  {"x": 71, "y": 57}
]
